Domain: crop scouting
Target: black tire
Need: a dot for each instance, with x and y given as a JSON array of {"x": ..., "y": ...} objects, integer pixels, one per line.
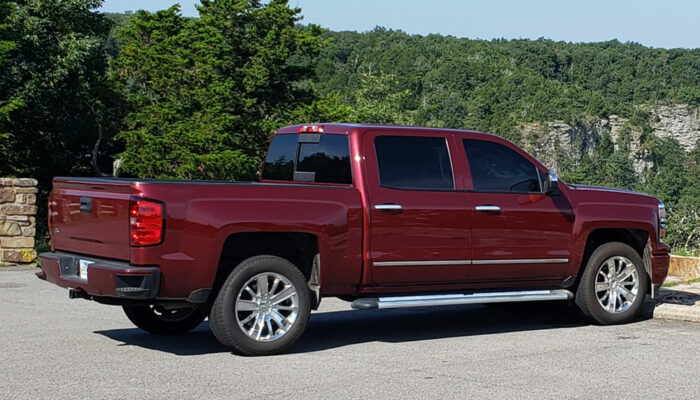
[
  {"x": 156, "y": 320},
  {"x": 586, "y": 297},
  {"x": 224, "y": 316}
]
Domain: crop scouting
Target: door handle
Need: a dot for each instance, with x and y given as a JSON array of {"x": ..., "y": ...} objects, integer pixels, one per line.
[
  {"x": 388, "y": 207},
  {"x": 489, "y": 209}
]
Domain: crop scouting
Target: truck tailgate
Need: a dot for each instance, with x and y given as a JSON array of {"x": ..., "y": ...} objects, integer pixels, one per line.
[{"x": 90, "y": 218}]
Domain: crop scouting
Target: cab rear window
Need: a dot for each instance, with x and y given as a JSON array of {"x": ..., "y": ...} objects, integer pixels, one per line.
[{"x": 321, "y": 158}]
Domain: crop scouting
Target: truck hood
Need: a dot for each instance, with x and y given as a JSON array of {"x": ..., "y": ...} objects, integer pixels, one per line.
[
  {"x": 604, "y": 189},
  {"x": 600, "y": 193}
]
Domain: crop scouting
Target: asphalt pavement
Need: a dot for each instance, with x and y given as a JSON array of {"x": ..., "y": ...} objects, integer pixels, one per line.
[{"x": 55, "y": 348}]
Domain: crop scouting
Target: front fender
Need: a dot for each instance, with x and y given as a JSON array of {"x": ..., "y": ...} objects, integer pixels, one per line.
[{"x": 593, "y": 216}]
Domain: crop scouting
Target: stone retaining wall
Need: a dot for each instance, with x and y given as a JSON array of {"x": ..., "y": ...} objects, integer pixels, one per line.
[
  {"x": 17, "y": 220},
  {"x": 686, "y": 267}
]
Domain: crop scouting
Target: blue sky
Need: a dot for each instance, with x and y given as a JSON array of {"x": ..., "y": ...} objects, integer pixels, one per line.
[{"x": 655, "y": 23}]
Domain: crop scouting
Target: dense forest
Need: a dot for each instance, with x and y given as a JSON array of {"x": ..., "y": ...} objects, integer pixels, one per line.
[{"x": 197, "y": 98}]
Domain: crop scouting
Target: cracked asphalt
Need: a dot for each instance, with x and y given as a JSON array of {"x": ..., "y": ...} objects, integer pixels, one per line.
[{"x": 55, "y": 348}]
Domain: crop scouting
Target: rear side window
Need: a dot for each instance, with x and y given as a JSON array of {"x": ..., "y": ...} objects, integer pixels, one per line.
[
  {"x": 414, "y": 162},
  {"x": 497, "y": 168},
  {"x": 279, "y": 165},
  {"x": 323, "y": 158}
]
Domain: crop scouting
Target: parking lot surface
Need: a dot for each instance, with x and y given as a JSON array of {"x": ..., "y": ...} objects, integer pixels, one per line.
[{"x": 55, "y": 348}]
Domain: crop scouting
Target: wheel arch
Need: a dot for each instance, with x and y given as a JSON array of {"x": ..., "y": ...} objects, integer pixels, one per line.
[
  {"x": 299, "y": 248},
  {"x": 638, "y": 239}
]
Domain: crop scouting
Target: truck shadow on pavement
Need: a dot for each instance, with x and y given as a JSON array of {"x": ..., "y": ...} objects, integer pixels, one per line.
[
  {"x": 340, "y": 328},
  {"x": 329, "y": 330}
]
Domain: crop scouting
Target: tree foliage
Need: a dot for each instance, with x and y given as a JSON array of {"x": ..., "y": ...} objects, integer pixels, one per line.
[
  {"x": 206, "y": 93},
  {"x": 494, "y": 85},
  {"x": 52, "y": 86},
  {"x": 8, "y": 48},
  {"x": 198, "y": 98}
]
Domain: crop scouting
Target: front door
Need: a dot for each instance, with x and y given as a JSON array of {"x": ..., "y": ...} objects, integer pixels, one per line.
[
  {"x": 419, "y": 224},
  {"x": 519, "y": 233}
]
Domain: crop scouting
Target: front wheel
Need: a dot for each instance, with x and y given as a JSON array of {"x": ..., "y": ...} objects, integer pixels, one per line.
[
  {"x": 613, "y": 285},
  {"x": 155, "y": 319},
  {"x": 262, "y": 308}
]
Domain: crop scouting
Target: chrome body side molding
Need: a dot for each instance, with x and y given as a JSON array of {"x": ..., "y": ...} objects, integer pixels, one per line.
[
  {"x": 470, "y": 262},
  {"x": 420, "y": 263},
  {"x": 523, "y": 261}
]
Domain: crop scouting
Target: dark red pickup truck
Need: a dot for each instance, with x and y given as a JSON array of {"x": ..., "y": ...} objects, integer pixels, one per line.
[{"x": 383, "y": 216}]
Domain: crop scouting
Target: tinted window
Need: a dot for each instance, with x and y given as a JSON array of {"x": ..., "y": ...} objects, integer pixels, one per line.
[
  {"x": 328, "y": 161},
  {"x": 497, "y": 168},
  {"x": 411, "y": 162},
  {"x": 279, "y": 164}
]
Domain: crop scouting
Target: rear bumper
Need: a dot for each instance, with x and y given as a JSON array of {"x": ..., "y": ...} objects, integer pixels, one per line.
[{"x": 105, "y": 278}]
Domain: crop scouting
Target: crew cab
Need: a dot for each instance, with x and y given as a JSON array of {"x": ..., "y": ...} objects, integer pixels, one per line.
[{"x": 382, "y": 216}]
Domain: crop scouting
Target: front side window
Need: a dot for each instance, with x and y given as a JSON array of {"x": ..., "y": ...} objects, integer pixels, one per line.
[
  {"x": 497, "y": 168},
  {"x": 325, "y": 159},
  {"x": 414, "y": 162}
]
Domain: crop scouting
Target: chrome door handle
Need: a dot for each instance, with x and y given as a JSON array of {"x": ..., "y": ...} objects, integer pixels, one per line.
[
  {"x": 388, "y": 207},
  {"x": 488, "y": 208}
]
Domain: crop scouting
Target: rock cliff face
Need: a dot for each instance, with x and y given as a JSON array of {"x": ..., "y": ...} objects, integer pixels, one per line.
[
  {"x": 680, "y": 122},
  {"x": 546, "y": 141}
]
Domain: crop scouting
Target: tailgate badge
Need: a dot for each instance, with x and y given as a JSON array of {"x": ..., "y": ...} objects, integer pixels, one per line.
[{"x": 86, "y": 204}]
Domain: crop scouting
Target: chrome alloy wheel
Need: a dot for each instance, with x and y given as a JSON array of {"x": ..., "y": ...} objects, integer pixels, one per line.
[
  {"x": 267, "y": 307},
  {"x": 616, "y": 284}
]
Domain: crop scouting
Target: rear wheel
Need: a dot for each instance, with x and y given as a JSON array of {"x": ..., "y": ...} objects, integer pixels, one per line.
[
  {"x": 161, "y": 321},
  {"x": 613, "y": 285},
  {"x": 262, "y": 308}
]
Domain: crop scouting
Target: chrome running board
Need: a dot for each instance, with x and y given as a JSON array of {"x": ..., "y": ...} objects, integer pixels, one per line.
[{"x": 371, "y": 303}]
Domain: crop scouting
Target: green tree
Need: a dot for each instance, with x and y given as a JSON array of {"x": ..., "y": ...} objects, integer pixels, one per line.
[
  {"x": 379, "y": 100},
  {"x": 684, "y": 218},
  {"x": 8, "y": 102},
  {"x": 618, "y": 171},
  {"x": 667, "y": 179},
  {"x": 54, "y": 96},
  {"x": 205, "y": 94}
]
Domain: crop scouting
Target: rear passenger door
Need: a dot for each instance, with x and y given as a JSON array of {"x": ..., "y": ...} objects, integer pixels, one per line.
[
  {"x": 419, "y": 225},
  {"x": 519, "y": 233}
]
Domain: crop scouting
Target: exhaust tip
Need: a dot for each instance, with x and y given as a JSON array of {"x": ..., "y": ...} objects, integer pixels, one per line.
[{"x": 78, "y": 294}]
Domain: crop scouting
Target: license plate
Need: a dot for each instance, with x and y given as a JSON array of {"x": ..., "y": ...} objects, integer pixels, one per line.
[{"x": 84, "y": 269}]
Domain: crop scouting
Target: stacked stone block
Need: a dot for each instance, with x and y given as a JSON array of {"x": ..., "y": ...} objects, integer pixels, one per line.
[{"x": 17, "y": 220}]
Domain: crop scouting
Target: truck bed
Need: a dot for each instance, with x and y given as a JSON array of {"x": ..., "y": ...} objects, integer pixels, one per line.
[{"x": 201, "y": 216}]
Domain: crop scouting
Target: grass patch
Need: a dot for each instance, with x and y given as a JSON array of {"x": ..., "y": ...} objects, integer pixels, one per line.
[
  {"x": 683, "y": 252},
  {"x": 685, "y": 282}
]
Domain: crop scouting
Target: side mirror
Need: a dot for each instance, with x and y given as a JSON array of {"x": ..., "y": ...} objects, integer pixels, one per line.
[{"x": 551, "y": 183}]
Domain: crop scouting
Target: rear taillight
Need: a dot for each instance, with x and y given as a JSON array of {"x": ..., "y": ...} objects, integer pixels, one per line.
[
  {"x": 146, "y": 222},
  {"x": 662, "y": 220}
]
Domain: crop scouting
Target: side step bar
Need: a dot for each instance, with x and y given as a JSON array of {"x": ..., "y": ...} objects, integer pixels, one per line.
[{"x": 372, "y": 303}]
